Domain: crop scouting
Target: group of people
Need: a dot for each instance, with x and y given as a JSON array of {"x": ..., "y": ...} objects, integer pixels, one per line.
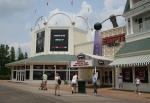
[{"x": 74, "y": 83}]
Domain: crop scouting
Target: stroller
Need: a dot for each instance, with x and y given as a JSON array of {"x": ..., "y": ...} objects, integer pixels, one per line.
[{"x": 43, "y": 85}]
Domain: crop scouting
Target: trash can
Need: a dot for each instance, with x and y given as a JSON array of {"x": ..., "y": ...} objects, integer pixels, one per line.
[{"x": 81, "y": 86}]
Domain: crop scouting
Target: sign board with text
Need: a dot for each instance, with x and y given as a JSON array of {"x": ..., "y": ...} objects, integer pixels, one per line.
[{"x": 81, "y": 63}]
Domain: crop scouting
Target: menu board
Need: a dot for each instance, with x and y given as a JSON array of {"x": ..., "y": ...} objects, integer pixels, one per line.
[{"x": 59, "y": 40}]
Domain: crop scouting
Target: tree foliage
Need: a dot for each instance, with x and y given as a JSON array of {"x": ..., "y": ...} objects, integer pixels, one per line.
[{"x": 8, "y": 55}]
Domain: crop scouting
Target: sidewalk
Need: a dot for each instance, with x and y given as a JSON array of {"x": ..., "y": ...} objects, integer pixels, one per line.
[
  {"x": 66, "y": 91},
  {"x": 108, "y": 92}
]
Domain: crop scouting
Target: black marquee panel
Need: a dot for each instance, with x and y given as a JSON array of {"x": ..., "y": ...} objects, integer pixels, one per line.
[{"x": 59, "y": 40}]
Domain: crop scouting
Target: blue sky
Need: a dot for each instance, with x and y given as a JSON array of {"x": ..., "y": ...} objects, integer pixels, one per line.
[{"x": 18, "y": 16}]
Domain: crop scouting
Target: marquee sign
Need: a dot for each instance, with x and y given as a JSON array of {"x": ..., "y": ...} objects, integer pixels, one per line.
[
  {"x": 81, "y": 63},
  {"x": 59, "y": 40},
  {"x": 113, "y": 40}
]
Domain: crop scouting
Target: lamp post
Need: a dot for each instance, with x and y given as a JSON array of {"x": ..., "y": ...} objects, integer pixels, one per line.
[{"x": 98, "y": 27}]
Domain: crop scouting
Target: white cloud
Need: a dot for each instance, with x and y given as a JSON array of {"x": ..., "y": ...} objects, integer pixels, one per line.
[
  {"x": 86, "y": 9},
  {"x": 11, "y": 7},
  {"x": 112, "y": 7}
]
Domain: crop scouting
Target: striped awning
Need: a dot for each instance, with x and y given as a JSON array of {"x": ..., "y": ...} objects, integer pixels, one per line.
[{"x": 132, "y": 61}]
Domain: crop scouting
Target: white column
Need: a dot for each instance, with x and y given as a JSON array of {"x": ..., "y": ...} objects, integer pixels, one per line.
[
  {"x": 131, "y": 25},
  {"x": 12, "y": 73},
  {"x": 148, "y": 73},
  {"x": 47, "y": 40},
  {"x": 31, "y": 72},
  {"x": 71, "y": 40},
  {"x": 117, "y": 73},
  {"x": 127, "y": 26},
  {"x": 131, "y": 4}
]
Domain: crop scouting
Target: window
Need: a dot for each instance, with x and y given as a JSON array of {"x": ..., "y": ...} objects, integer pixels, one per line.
[
  {"x": 37, "y": 75},
  {"x": 127, "y": 74},
  {"x": 62, "y": 74},
  {"x": 27, "y": 75},
  {"x": 40, "y": 42},
  {"x": 142, "y": 74},
  {"x": 14, "y": 74},
  {"x": 50, "y": 75}
]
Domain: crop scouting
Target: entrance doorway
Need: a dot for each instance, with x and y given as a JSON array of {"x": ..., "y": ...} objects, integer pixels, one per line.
[
  {"x": 105, "y": 77},
  {"x": 20, "y": 75}
]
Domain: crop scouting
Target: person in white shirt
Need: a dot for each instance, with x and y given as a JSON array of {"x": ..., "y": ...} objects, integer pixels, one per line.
[
  {"x": 44, "y": 81},
  {"x": 120, "y": 81},
  {"x": 74, "y": 83},
  {"x": 57, "y": 85},
  {"x": 137, "y": 82}
]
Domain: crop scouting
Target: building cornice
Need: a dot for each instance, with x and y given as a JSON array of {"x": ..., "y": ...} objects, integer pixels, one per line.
[
  {"x": 137, "y": 36},
  {"x": 133, "y": 54},
  {"x": 137, "y": 10}
]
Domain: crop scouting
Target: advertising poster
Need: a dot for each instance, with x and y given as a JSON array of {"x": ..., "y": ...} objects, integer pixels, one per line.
[{"x": 59, "y": 40}]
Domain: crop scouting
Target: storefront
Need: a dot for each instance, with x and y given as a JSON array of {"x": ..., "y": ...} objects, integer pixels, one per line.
[
  {"x": 91, "y": 63},
  {"x": 32, "y": 69},
  {"x": 133, "y": 61}
]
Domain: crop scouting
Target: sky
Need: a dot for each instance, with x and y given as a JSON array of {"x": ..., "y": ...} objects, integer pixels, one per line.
[{"x": 17, "y": 17}]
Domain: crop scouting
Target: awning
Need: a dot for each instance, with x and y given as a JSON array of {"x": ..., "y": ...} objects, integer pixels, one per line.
[
  {"x": 132, "y": 61},
  {"x": 50, "y": 58},
  {"x": 98, "y": 57}
]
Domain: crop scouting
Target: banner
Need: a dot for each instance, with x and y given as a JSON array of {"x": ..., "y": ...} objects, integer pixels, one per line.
[{"x": 97, "y": 44}]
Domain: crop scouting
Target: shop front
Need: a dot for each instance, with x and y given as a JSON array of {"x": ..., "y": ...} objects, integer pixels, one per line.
[
  {"x": 32, "y": 69},
  {"x": 133, "y": 61},
  {"x": 91, "y": 63}
]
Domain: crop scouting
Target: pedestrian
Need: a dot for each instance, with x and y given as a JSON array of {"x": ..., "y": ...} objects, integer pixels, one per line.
[
  {"x": 44, "y": 82},
  {"x": 120, "y": 82},
  {"x": 74, "y": 83},
  {"x": 137, "y": 83},
  {"x": 94, "y": 80},
  {"x": 57, "y": 84}
]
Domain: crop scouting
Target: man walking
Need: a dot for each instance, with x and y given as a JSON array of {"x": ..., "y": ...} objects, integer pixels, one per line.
[
  {"x": 57, "y": 84},
  {"x": 94, "y": 80}
]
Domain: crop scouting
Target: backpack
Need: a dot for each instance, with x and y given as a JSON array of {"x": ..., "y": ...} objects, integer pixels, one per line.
[{"x": 59, "y": 81}]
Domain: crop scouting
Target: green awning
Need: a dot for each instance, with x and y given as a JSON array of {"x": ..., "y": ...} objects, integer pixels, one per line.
[
  {"x": 132, "y": 61},
  {"x": 50, "y": 58}
]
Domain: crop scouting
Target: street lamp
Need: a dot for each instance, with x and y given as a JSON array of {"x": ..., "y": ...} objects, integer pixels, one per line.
[{"x": 97, "y": 39}]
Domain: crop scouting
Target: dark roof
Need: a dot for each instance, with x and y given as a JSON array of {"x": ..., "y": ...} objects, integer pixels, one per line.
[
  {"x": 135, "y": 46},
  {"x": 50, "y": 58},
  {"x": 127, "y": 6}
]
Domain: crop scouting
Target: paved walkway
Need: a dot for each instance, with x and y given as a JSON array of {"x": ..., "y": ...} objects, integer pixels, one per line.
[{"x": 66, "y": 91}]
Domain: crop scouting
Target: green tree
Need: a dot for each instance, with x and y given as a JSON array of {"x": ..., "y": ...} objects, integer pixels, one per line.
[
  {"x": 20, "y": 54},
  {"x": 4, "y": 59},
  {"x": 12, "y": 54}
]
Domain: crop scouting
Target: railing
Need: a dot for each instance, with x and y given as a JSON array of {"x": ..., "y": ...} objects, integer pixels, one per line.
[{"x": 142, "y": 27}]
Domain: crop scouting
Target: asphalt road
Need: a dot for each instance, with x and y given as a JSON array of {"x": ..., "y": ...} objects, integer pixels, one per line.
[{"x": 12, "y": 95}]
